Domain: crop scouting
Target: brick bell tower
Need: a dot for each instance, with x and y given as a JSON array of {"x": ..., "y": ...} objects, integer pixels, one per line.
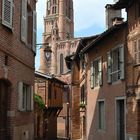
[{"x": 58, "y": 26}]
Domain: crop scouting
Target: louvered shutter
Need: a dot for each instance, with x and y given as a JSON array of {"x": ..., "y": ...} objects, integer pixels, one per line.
[
  {"x": 20, "y": 96},
  {"x": 34, "y": 32},
  {"x": 91, "y": 76},
  {"x": 24, "y": 21},
  {"x": 100, "y": 72},
  {"x": 109, "y": 67},
  {"x": 7, "y": 13},
  {"x": 121, "y": 61}
]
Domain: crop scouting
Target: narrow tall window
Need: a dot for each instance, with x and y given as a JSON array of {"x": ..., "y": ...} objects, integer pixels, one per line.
[
  {"x": 61, "y": 64},
  {"x": 7, "y": 13},
  {"x": 25, "y": 97},
  {"x": 101, "y": 110},
  {"x": 137, "y": 51},
  {"x": 96, "y": 73},
  {"x": 83, "y": 94},
  {"x": 116, "y": 64}
]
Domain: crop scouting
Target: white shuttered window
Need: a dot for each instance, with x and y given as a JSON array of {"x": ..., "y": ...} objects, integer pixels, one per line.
[
  {"x": 24, "y": 21},
  {"x": 115, "y": 65},
  {"x": 96, "y": 73},
  {"x": 25, "y": 97},
  {"x": 7, "y": 13}
]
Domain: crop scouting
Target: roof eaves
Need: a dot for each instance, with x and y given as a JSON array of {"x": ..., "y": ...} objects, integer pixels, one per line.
[{"x": 113, "y": 28}]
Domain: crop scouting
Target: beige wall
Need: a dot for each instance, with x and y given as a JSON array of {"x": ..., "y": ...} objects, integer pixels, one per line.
[{"x": 106, "y": 92}]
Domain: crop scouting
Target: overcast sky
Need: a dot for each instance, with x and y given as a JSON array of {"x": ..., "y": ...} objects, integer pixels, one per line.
[{"x": 89, "y": 18}]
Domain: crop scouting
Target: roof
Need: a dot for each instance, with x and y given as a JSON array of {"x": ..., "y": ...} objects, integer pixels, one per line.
[
  {"x": 103, "y": 35},
  {"x": 122, "y": 4},
  {"x": 84, "y": 42},
  {"x": 49, "y": 77}
]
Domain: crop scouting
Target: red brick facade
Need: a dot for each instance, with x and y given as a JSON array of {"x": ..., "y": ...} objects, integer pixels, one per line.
[{"x": 16, "y": 64}]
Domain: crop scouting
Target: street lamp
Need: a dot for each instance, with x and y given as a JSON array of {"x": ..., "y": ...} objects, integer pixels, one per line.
[{"x": 47, "y": 50}]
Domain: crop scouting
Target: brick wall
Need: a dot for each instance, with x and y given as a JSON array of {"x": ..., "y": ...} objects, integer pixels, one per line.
[{"x": 20, "y": 67}]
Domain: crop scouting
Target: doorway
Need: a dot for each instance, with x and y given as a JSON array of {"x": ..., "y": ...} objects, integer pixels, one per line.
[
  {"x": 4, "y": 96},
  {"x": 120, "y": 119}
]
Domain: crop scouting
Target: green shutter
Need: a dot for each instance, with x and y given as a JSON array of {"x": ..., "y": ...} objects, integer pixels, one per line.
[
  {"x": 91, "y": 76},
  {"x": 121, "y": 61},
  {"x": 100, "y": 72},
  {"x": 7, "y": 13},
  {"x": 24, "y": 21},
  {"x": 109, "y": 67},
  {"x": 20, "y": 96}
]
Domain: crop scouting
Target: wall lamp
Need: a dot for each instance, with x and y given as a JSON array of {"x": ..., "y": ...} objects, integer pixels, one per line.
[{"x": 47, "y": 50}]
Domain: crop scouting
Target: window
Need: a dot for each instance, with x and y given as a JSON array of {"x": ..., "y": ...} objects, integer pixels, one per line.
[
  {"x": 50, "y": 91},
  {"x": 48, "y": 7},
  {"x": 101, "y": 110},
  {"x": 25, "y": 94},
  {"x": 83, "y": 94},
  {"x": 137, "y": 52},
  {"x": 28, "y": 25},
  {"x": 7, "y": 13},
  {"x": 54, "y": 2},
  {"x": 116, "y": 64},
  {"x": 96, "y": 73},
  {"x": 54, "y": 10},
  {"x": 61, "y": 64}
]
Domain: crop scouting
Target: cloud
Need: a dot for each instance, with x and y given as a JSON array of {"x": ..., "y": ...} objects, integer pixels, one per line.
[{"x": 89, "y": 13}]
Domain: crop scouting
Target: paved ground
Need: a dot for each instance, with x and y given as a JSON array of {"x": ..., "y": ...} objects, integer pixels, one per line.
[{"x": 56, "y": 139}]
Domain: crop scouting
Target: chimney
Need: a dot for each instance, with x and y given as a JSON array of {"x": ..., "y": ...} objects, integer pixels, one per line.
[{"x": 111, "y": 15}]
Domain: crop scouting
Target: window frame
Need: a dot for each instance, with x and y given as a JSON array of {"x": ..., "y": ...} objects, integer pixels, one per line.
[
  {"x": 136, "y": 52},
  {"x": 93, "y": 73},
  {"x": 121, "y": 59},
  {"x": 100, "y": 115},
  {"x": 25, "y": 97},
  {"x": 61, "y": 63},
  {"x": 4, "y": 22}
]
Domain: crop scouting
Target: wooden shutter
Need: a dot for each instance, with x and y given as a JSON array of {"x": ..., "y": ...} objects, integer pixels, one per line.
[
  {"x": 100, "y": 72},
  {"x": 109, "y": 67},
  {"x": 7, "y": 13},
  {"x": 91, "y": 76},
  {"x": 34, "y": 31},
  {"x": 24, "y": 21},
  {"x": 20, "y": 96},
  {"x": 32, "y": 98},
  {"x": 121, "y": 61},
  {"x": 28, "y": 98}
]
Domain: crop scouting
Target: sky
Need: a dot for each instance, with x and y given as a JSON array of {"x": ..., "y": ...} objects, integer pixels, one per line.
[{"x": 89, "y": 19}]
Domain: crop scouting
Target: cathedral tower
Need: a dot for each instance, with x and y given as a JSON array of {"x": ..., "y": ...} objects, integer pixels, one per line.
[{"x": 58, "y": 29}]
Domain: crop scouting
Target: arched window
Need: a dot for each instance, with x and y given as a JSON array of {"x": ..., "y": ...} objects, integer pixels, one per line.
[{"x": 61, "y": 63}]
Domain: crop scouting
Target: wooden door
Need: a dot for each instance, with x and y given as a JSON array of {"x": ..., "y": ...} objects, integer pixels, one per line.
[{"x": 3, "y": 109}]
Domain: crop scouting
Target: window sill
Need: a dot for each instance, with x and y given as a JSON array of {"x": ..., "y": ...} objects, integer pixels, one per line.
[
  {"x": 101, "y": 131},
  {"x": 116, "y": 82},
  {"x": 136, "y": 65}
]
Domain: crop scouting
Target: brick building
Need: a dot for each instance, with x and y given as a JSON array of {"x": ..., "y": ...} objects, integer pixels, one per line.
[
  {"x": 106, "y": 79},
  {"x": 133, "y": 67},
  {"x": 50, "y": 89},
  {"x": 17, "y": 51},
  {"x": 97, "y": 95},
  {"x": 58, "y": 36}
]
